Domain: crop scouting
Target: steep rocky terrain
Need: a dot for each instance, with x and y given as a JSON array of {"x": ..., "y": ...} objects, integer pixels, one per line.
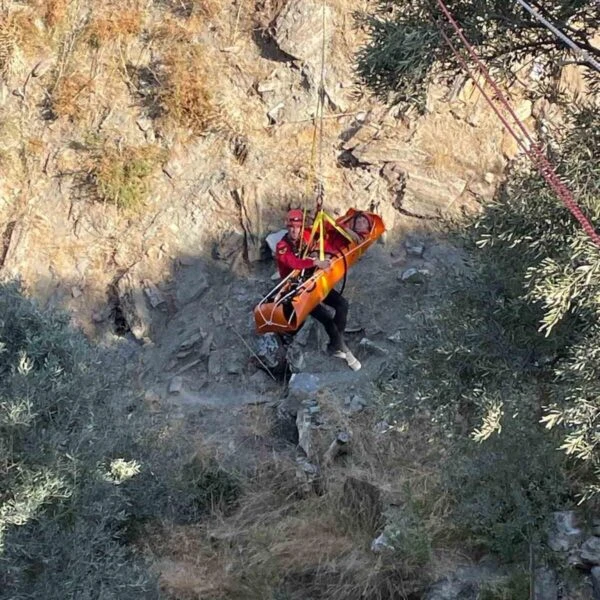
[{"x": 173, "y": 280}]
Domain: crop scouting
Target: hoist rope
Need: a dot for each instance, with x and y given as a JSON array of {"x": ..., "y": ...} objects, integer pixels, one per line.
[
  {"x": 316, "y": 168},
  {"x": 579, "y": 52},
  {"x": 321, "y": 94},
  {"x": 533, "y": 151}
]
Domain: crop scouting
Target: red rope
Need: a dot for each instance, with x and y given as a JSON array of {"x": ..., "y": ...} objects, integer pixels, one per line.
[{"x": 534, "y": 152}]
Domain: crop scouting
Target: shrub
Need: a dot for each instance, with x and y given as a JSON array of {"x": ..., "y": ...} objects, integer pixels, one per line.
[
  {"x": 70, "y": 96},
  {"x": 54, "y": 12},
  {"x": 516, "y": 343},
  {"x": 397, "y": 60},
  {"x": 68, "y": 445},
  {"x": 185, "y": 96},
  {"x": 210, "y": 486},
  {"x": 112, "y": 25},
  {"x": 528, "y": 229},
  {"x": 406, "y": 51},
  {"x": 505, "y": 488},
  {"x": 121, "y": 175},
  {"x": 81, "y": 471},
  {"x": 516, "y": 588},
  {"x": 411, "y": 542}
]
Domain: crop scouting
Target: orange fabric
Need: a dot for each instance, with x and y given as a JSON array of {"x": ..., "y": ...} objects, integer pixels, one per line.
[{"x": 286, "y": 308}]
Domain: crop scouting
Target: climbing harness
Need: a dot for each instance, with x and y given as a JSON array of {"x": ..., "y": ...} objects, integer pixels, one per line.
[{"x": 527, "y": 144}]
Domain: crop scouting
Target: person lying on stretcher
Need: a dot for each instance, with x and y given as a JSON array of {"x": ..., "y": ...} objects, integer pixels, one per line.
[{"x": 356, "y": 227}]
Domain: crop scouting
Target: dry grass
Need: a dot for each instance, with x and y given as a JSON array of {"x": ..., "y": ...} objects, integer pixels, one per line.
[
  {"x": 121, "y": 175},
  {"x": 191, "y": 8},
  {"x": 196, "y": 79},
  {"x": 258, "y": 423},
  {"x": 72, "y": 95},
  {"x": 217, "y": 20},
  {"x": 185, "y": 95},
  {"x": 188, "y": 566},
  {"x": 54, "y": 12},
  {"x": 277, "y": 540},
  {"x": 170, "y": 30},
  {"x": 283, "y": 542},
  {"x": 20, "y": 38},
  {"x": 114, "y": 23},
  {"x": 8, "y": 41}
]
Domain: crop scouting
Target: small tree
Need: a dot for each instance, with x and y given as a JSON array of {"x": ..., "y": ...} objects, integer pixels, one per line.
[
  {"x": 68, "y": 446},
  {"x": 406, "y": 49},
  {"x": 533, "y": 299},
  {"x": 80, "y": 469},
  {"x": 562, "y": 278}
]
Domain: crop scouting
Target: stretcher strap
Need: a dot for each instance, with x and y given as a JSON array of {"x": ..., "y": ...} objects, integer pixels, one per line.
[{"x": 319, "y": 225}]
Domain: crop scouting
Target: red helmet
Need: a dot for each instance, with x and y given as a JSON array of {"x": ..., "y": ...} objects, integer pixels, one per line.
[{"x": 295, "y": 216}]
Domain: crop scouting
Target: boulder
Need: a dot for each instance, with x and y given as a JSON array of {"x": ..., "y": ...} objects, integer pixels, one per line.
[
  {"x": 354, "y": 404},
  {"x": 339, "y": 446},
  {"x": 590, "y": 551},
  {"x": 596, "y": 582},
  {"x": 414, "y": 275},
  {"x": 304, "y": 426},
  {"x": 564, "y": 533},
  {"x": 298, "y": 31},
  {"x": 381, "y": 544},
  {"x": 466, "y": 583},
  {"x": 154, "y": 295},
  {"x": 132, "y": 304},
  {"x": 414, "y": 249},
  {"x": 304, "y": 386},
  {"x": 176, "y": 385},
  {"x": 270, "y": 351},
  {"x": 429, "y": 196},
  {"x": 191, "y": 287},
  {"x": 546, "y": 585}
]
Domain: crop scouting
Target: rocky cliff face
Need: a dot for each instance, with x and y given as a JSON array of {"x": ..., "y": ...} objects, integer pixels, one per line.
[
  {"x": 147, "y": 149},
  {"x": 98, "y": 98}
]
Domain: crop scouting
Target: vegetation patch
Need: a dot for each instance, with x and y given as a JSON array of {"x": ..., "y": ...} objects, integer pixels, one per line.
[
  {"x": 213, "y": 488},
  {"x": 122, "y": 175},
  {"x": 54, "y": 12},
  {"x": 185, "y": 93},
  {"x": 505, "y": 488},
  {"x": 71, "y": 96},
  {"x": 191, "y": 8},
  {"x": 114, "y": 23},
  {"x": 67, "y": 455}
]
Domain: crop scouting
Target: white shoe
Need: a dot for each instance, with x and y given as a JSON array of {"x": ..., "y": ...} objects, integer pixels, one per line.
[
  {"x": 339, "y": 354},
  {"x": 352, "y": 361}
]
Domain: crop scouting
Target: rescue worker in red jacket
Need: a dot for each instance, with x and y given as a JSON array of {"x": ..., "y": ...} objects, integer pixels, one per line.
[{"x": 287, "y": 256}]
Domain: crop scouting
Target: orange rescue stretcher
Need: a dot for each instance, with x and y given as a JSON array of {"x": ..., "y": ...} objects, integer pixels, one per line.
[{"x": 287, "y": 305}]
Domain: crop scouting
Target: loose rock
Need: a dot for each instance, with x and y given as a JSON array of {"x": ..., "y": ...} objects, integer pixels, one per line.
[{"x": 176, "y": 385}]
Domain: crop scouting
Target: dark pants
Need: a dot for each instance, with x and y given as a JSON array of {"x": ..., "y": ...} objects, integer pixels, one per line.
[{"x": 336, "y": 325}]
